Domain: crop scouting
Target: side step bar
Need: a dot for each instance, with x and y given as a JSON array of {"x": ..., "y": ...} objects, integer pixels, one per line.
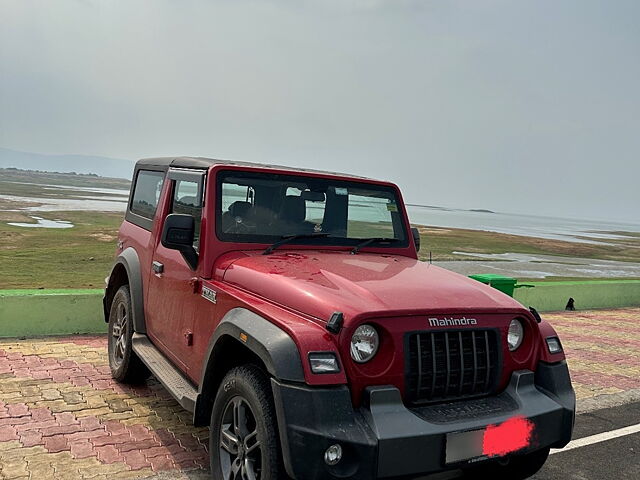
[{"x": 166, "y": 373}]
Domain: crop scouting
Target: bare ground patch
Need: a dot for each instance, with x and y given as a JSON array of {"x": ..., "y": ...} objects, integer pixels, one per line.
[
  {"x": 103, "y": 237},
  {"x": 6, "y": 204},
  {"x": 15, "y": 217},
  {"x": 9, "y": 240}
]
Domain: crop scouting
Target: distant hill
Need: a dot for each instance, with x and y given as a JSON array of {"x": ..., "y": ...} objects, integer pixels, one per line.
[
  {"x": 103, "y": 166},
  {"x": 481, "y": 210}
]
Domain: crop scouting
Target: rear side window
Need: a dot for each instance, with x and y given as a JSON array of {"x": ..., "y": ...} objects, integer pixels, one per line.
[
  {"x": 146, "y": 193},
  {"x": 187, "y": 199}
]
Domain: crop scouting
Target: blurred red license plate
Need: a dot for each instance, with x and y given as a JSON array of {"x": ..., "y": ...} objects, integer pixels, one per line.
[{"x": 493, "y": 441}]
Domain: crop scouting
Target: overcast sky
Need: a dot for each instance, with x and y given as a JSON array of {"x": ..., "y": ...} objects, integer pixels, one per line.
[{"x": 522, "y": 106}]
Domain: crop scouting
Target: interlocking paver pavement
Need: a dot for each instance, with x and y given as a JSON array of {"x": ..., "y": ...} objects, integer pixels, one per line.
[
  {"x": 62, "y": 416},
  {"x": 603, "y": 352}
]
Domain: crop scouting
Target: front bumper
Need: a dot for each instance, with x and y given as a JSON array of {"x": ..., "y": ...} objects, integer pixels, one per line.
[{"x": 385, "y": 439}]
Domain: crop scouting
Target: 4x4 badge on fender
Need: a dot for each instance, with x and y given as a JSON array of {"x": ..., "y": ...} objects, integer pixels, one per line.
[
  {"x": 455, "y": 322},
  {"x": 209, "y": 294}
]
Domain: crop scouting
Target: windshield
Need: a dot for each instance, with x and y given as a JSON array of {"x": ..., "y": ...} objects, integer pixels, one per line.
[{"x": 264, "y": 207}]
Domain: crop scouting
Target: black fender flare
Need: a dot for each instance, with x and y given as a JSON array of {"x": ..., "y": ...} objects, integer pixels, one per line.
[
  {"x": 131, "y": 262},
  {"x": 272, "y": 345}
]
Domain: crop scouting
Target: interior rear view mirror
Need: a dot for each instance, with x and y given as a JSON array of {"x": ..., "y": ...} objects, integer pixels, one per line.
[{"x": 310, "y": 196}]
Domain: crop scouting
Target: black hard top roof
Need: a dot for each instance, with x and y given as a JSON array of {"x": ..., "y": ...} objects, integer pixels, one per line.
[{"x": 201, "y": 162}]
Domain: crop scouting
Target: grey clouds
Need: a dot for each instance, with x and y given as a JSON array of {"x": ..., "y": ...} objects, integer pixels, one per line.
[{"x": 521, "y": 106}]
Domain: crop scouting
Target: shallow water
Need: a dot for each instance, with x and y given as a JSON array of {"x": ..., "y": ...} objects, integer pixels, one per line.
[
  {"x": 527, "y": 225},
  {"x": 113, "y": 200},
  {"x": 49, "y": 186},
  {"x": 554, "y": 228},
  {"x": 541, "y": 266},
  {"x": 88, "y": 203},
  {"x": 43, "y": 223}
]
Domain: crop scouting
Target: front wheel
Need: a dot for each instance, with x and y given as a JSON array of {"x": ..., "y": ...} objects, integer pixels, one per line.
[
  {"x": 243, "y": 441},
  {"x": 513, "y": 468}
]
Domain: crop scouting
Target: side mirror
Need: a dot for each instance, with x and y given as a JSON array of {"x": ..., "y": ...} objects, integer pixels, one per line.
[
  {"x": 416, "y": 237},
  {"x": 178, "y": 233}
]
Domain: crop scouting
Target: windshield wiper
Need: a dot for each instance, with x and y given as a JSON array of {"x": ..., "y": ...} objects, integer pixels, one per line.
[
  {"x": 291, "y": 238},
  {"x": 368, "y": 241}
]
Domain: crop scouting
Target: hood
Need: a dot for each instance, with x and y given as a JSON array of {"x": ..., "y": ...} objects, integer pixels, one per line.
[{"x": 320, "y": 283}]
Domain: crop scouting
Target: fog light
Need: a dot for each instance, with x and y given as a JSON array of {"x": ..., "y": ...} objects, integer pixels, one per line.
[
  {"x": 333, "y": 454},
  {"x": 554, "y": 345}
]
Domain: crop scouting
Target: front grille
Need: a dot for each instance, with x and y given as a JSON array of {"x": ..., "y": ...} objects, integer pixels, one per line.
[{"x": 450, "y": 365}]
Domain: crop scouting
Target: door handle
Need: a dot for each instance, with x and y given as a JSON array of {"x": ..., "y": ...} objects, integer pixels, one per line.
[{"x": 157, "y": 267}]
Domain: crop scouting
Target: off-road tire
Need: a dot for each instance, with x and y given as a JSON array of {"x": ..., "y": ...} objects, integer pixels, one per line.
[
  {"x": 248, "y": 384},
  {"x": 517, "y": 467},
  {"x": 125, "y": 365}
]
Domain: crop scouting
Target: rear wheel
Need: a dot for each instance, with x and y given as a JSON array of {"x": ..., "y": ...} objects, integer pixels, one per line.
[
  {"x": 125, "y": 365},
  {"x": 512, "y": 468},
  {"x": 243, "y": 442}
]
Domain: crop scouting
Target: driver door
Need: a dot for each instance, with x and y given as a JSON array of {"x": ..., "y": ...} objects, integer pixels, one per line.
[{"x": 171, "y": 300}]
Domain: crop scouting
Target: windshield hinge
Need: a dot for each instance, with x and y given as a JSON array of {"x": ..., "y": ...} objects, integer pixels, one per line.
[{"x": 334, "y": 325}]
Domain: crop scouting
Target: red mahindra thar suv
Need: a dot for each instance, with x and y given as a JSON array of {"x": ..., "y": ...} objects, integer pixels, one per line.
[{"x": 287, "y": 309}]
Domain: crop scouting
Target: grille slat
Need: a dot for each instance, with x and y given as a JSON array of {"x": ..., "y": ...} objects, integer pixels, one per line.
[
  {"x": 434, "y": 371},
  {"x": 447, "y": 356},
  {"x": 475, "y": 362},
  {"x": 488, "y": 369},
  {"x": 461, "y": 363},
  {"x": 419, "y": 387},
  {"x": 451, "y": 364}
]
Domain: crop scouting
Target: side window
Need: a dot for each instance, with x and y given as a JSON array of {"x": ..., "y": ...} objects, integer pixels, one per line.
[
  {"x": 187, "y": 199},
  {"x": 146, "y": 193}
]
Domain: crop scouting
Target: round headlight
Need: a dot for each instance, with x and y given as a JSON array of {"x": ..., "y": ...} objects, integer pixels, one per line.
[
  {"x": 364, "y": 343},
  {"x": 515, "y": 335}
]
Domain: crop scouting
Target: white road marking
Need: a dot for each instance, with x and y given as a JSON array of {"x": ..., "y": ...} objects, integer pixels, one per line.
[{"x": 600, "y": 437}]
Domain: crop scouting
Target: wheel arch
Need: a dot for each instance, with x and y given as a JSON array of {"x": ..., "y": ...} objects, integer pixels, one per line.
[
  {"x": 127, "y": 271},
  {"x": 245, "y": 337}
]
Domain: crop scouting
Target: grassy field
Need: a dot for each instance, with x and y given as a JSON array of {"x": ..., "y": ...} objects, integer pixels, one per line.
[
  {"x": 81, "y": 257},
  {"x": 442, "y": 242},
  {"x": 78, "y": 257}
]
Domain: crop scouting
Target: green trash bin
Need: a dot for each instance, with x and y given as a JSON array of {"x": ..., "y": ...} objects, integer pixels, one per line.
[{"x": 504, "y": 284}]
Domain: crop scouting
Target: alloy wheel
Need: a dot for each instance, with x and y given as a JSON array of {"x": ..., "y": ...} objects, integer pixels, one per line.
[
  {"x": 119, "y": 334},
  {"x": 240, "y": 448}
]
